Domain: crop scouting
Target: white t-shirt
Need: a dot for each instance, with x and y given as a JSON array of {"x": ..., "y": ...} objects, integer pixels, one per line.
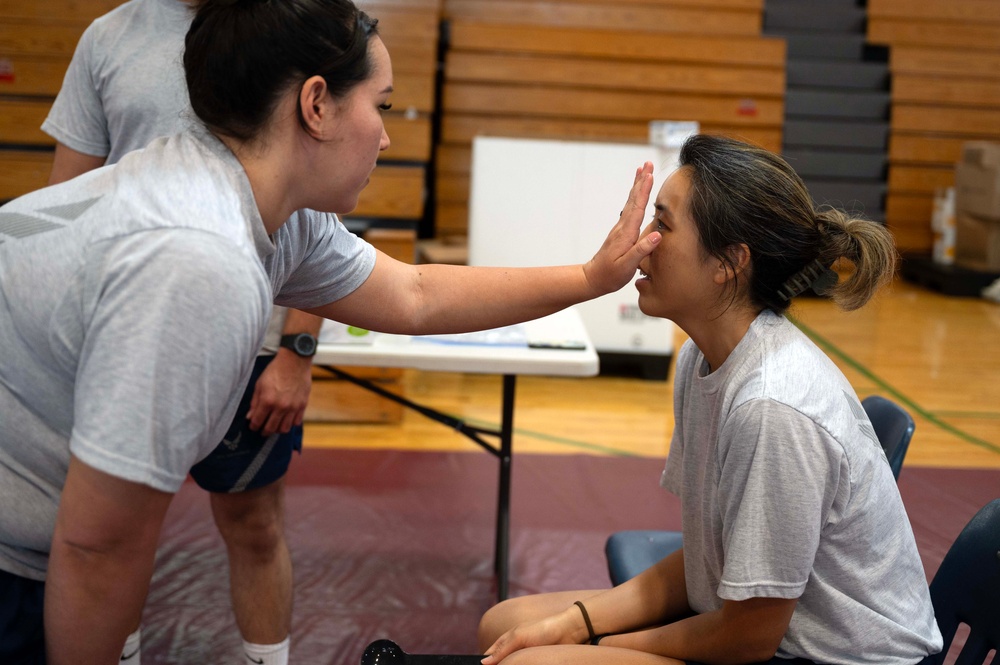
[
  {"x": 133, "y": 300},
  {"x": 786, "y": 493}
]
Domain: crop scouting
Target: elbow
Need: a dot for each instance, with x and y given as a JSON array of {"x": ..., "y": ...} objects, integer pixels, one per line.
[{"x": 763, "y": 652}]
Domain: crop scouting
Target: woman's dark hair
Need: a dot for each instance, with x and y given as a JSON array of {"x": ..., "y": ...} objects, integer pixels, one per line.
[
  {"x": 742, "y": 194},
  {"x": 240, "y": 56}
]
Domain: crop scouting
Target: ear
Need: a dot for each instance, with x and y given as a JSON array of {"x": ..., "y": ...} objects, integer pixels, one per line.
[
  {"x": 315, "y": 105},
  {"x": 739, "y": 261}
]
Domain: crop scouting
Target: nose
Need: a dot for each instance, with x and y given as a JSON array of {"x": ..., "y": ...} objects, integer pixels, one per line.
[{"x": 384, "y": 143}]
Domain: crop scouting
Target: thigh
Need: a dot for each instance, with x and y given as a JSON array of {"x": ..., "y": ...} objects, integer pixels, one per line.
[
  {"x": 22, "y": 635},
  {"x": 579, "y": 654},
  {"x": 245, "y": 459}
]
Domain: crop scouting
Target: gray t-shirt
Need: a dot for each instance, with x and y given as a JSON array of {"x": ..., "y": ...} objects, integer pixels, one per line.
[
  {"x": 786, "y": 493},
  {"x": 125, "y": 87},
  {"x": 133, "y": 300},
  {"x": 125, "y": 84}
]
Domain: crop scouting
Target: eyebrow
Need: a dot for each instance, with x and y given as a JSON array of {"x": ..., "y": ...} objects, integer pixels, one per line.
[{"x": 387, "y": 89}]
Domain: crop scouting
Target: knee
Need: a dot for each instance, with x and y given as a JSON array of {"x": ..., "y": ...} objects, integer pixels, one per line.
[
  {"x": 495, "y": 622},
  {"x": 252, "y": 526}
]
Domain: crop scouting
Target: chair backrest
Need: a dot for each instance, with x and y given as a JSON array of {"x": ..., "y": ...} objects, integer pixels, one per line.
[
  {"x": 893, "y": 426},
  {"x": 966, "y": 589}
]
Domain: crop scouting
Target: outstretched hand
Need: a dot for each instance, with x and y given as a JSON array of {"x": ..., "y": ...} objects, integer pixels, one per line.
[{"x": 618, "y": 258}]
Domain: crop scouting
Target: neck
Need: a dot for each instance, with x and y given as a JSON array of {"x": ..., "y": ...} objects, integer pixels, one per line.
[
  {"x": 271, "y": 177},
  {"x": 718, "y": 336}
]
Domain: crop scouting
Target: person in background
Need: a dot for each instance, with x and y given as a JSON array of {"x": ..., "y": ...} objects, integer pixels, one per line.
[
  {"x": 125, "y": 87},
  {"x": 136, "y": 297},
  {"x": 797, "y": 547}
]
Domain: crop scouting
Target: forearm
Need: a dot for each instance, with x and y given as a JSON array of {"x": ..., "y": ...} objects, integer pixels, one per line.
[
  {"x": 458, "y": 299},
  {"x": 745, "y": 632},
  {"x": 656, "y": 596},
  {"x": 297, "y": 321},
  {"x": 434, "y": 299},
  {"x": 68, "y": 164}
]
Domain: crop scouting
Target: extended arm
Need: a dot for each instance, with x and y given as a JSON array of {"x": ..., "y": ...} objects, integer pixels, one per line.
[
  {"x": 426, "y": 299},
  {"x": 282, "y": 391},
  {"x": 654, "y": 597},
  {"x": 101, "y": 562},
  {"x": 68, "y": 164},
  {"x": 748, "y": 631}
]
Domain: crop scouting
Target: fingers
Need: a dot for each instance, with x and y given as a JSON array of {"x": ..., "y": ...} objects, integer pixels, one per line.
[
  {"x": 638, "y": 196},
  {"x": 497, "y": 651}
]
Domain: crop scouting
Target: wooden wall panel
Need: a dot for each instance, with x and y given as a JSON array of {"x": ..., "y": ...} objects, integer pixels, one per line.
[
  {"x": 962, "y": 11},
  {"x": 26, "y": 75},
  {"x": 394, "y": 192},
  {"x": 23, "y": 171},
  {"x": 971, "y": 35},
  {"x": 20, "y": 119},
  {"x": 625, "y": 16},
  {"x": 926, "y": 61},
  {"x": 567, "y": 69},
  {"x": 699, "y": 48},
  {"x": 945, "y": 63}
]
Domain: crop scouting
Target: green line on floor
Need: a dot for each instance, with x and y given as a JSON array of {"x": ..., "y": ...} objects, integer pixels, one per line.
[
  {"x": 900, "y": 397},
  {"x": 595, "y": 447}
]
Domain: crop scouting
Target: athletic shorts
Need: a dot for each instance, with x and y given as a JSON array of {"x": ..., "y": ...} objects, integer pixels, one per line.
[
  {"x": 22, "y": 636},
  {"x": 245, "y": 459}
]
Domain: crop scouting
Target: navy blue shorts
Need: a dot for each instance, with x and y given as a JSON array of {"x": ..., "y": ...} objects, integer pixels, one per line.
[
  {"x": 22, "y": 634},
  {"x": 245, "y": 459}
]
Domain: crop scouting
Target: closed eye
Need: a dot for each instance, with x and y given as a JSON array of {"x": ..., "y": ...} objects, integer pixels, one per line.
[{"x": 384, "y": 107}]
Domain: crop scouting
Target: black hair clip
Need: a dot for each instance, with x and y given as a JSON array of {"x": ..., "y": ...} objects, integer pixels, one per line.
[{"x": 815, "y": 276}]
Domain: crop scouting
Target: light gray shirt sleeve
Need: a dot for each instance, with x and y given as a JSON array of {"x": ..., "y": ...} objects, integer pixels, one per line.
[
  {"x": 77, "y": 118},
  {"x": 778, "y": 477}
]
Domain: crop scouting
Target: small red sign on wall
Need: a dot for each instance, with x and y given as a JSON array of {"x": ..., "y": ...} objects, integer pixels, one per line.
[
  {"x": 6, "y": 71},
  {"x": 747, "y": 107}
]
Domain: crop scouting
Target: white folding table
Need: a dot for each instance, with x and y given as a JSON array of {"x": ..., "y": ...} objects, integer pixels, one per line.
[{"x": 546, "y": 346}]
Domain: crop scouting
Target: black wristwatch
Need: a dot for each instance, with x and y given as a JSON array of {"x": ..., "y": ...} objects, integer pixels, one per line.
[{"x": 303, "y": 344}]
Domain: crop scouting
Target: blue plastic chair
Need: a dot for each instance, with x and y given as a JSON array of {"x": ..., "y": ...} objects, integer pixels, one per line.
[
  {"x": 630, "y": 552},
  {"x": 966, "y": 589}
]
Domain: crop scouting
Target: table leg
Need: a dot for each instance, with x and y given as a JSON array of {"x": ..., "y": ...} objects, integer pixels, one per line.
[{"x": 502, "y": 556}]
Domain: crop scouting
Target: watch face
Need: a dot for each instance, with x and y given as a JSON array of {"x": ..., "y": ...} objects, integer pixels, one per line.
[{"x": 305, "y": 345}]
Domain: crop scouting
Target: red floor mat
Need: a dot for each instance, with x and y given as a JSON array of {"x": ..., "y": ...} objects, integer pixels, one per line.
[{"x": 398, "y": 545}]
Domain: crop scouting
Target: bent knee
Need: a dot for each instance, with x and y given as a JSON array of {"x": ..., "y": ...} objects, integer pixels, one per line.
[{"x": 248, "y": 524}]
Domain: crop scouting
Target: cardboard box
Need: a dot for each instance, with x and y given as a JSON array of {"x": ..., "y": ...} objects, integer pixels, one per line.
[
  {"x": 977, "y": 206},
  {"x": 977, "y": 242},
  {"x": 977, "y": 180}
]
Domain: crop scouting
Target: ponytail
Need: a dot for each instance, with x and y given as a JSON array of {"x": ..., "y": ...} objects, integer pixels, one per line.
[{"x": 867, "y": 245}]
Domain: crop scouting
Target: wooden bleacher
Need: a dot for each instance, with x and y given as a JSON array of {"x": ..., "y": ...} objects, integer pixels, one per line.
[
  {"x": 602, "y": 71},
  {"x": 945, "y": 64}
]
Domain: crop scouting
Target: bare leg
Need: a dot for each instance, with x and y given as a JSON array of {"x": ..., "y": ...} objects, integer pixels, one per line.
[{"x": 260, "y": 567}]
